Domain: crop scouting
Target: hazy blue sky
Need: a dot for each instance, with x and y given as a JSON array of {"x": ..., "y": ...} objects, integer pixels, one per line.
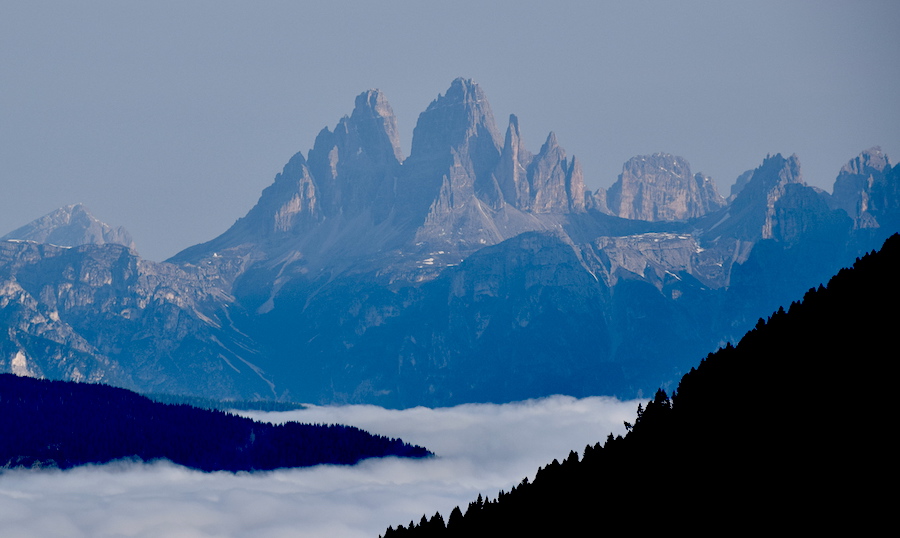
[{"x": 169, "y": 118}]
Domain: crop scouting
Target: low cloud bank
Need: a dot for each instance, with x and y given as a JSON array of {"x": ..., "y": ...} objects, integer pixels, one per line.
[{"x": 481, "y": 448}]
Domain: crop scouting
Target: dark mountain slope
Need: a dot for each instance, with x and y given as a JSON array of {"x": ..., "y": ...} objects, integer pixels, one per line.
[
  {"x": 788, "y": 429},
  {"x": 64, "y": 424}
]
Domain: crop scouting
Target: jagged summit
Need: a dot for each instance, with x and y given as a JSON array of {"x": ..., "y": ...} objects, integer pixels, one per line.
[
  {"x": 461, "y": 188},
  {"x": 71, "y": 226},
  {"x": 512, "y": 170},
  {"x": 660, "y": 187},
  {"x": 855, "y": 182},
  {"x": 354, "y": 167},
  {"x": 752, "y": 214},
  {"x": 872, "y": 159},
  {"x": 462, "y": 112}
]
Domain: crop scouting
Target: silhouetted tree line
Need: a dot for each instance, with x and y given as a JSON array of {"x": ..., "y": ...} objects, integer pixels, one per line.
[
  {"x": 785, "y": 432},
  {"x": 224, "y": 405},
  {"x": 64, "y": 424}
]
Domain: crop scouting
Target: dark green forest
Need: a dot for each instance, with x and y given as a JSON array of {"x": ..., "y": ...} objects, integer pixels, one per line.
[
  {"x": 786, "y": 431},
  {"x": 63, "y": 424}
]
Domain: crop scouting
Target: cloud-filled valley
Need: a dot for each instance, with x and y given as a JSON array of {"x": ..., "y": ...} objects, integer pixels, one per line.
[{"x": 481, "y": 448}]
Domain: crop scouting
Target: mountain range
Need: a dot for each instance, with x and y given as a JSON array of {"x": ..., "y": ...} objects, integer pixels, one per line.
[{"x": 471, "y": 270}]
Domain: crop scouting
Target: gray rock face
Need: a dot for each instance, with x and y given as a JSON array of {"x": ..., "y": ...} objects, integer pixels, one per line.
[
  {"x": 98, "y": 313},
  {"x": 596, "y": 201},
  {"x": 512, "y": 171},
  {"x": 884, "y": 199},
  {"x": 449, "y": 173},
  {"x": 356, "y": 165},
  {"x": 660, "y": 187},
  {"x": 751, "y": 215},
  {"x": 655, "y": 257},
  {"x": 557, "y": 184},
  {"x": 709, "y": 198},
  {"x": 456, "y": 193},
  {"x": 71, "y": 226},
  {"x": 854, "y": 184},
  {"x": 739, "y": 184}
]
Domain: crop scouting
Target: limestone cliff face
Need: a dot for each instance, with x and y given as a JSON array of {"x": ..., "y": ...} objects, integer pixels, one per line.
[
  {"x": 854, "y": 184},
  {"x": 708, "y": 199},
  {"x": 71, "y": 226},
  {"x": 884, "y": 199},
  {"x": 457, "y": 192},
  {"x": 660, "y": 187},
  {"x": 356, "y": 165},
  {"x": 596, "y": 201},
  {"x": 557, "y": 184},
  {"x": 350, "y": 175},
  {"x": 544, "y": 183},
  {"x": 751, "y": 216},
  {"x": 449, "y": 173},
  {"x": 803, "y": 210},
  {"x": 98, "y": 313},
  {"x": 773, "y": 178},
  {"x": 291, "y": 204},
  {"x": 512, "y": 171},
  {"x": 739, "y": 184}
]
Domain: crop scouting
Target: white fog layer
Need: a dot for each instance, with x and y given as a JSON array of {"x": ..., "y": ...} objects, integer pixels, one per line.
[{"x": 481, "y": 448}]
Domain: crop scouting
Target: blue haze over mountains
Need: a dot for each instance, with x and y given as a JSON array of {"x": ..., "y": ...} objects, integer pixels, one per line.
[{"x": 472, "y": 270}]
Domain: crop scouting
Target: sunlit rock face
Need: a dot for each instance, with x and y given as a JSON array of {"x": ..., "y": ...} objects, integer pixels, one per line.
[
  {"x": 71, "y": 226},
  {"x": 750, "y": 216},
  {"x": 660, "y": 187},
  {"x": 99, "y": 313},
  {"x": 855, "y": 185}
]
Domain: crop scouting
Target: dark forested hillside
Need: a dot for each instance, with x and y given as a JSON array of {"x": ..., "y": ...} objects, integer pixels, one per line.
[
  {"x": 64, "y": 424},
  {"x": 788, "y": 429}
]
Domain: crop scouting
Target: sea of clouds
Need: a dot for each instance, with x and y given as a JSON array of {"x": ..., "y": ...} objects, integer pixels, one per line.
[{"x": 480, "y": 448}]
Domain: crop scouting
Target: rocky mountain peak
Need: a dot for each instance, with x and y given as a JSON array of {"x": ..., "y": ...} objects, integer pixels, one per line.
[
  {"x": 872, "y": 159},
  {"x": 71, "y": 226},
  {"x": 575, "y": 189},
  {"x": 551, "y": 144},
  {"x": 709, "y": 194},
  {"x": 374, "y": 118},
  {"x": 544, "y": 183},
  {"x": 354, "y": 167},
  {"x": 768, "y": 180},
  {"x": 513, "y": 144},
  {"x": 660, "y": 187},
  {"x": 457, "y": 118},
  {"x": 513, "y": 126},
  {"x": 853, "y": 185},
  {"x": 556, "y": 183},
  {"x": 455, "y": 150},
  {"x": 752, "y": 214},
  {"x": 468, "y": 92},
  {"x": 512, "y": 170},
  {"x": 739, "y": 184}
]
